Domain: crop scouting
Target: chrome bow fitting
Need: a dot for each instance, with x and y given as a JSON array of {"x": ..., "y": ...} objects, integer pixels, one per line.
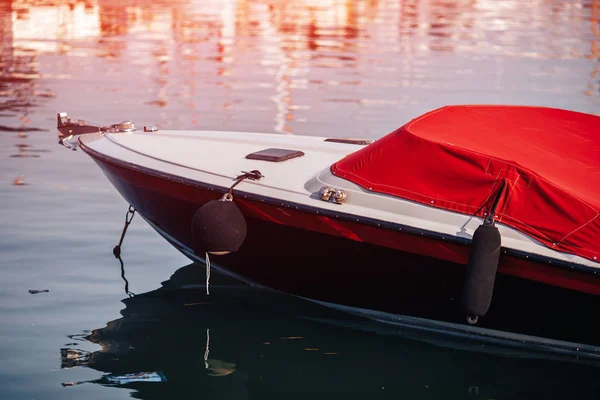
[{"x": 69, "y": 129}]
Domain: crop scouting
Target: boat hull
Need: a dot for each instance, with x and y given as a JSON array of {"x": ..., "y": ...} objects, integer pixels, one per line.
[
  {"x": 313, "y": 255},
  {"x": 169, "y": 202}
]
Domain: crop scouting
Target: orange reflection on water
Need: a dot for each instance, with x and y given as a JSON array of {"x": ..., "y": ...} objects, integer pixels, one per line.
[
  {"x": 282, "y": 65},
  {"x": 593, "y": 88}
]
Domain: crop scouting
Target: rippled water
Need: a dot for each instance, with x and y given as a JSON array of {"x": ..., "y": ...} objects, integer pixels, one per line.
[{"x": 307, "y": 67}]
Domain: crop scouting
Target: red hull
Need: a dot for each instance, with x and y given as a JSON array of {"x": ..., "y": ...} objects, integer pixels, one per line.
[
  {"x": 173, "y": 216},
  {"x": 346, "y": 262}
]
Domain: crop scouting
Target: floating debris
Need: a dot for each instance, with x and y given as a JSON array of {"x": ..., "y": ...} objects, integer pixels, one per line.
[{"x": 34, "y": 291}]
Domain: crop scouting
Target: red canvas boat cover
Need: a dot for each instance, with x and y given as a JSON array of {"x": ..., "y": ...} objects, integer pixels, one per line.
[{"x": 457, "y": 157}]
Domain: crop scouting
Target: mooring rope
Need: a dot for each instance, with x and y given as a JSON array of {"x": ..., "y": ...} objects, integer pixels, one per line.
[{"x": 128, "y": 218}]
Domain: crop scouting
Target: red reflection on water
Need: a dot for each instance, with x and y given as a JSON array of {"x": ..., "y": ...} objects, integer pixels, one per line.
[
  {"x": 593, "y": 88},
  {"x": 236, "y": 63}
]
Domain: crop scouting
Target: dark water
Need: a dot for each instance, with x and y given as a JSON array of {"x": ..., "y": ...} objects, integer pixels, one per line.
[{"x": 308, "y": 67}]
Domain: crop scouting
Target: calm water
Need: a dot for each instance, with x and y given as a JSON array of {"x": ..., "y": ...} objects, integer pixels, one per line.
[{"x": 307, "y": 67}]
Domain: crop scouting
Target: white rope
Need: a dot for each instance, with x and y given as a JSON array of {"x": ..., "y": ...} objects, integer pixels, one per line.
[
  {"x": 206, "y": 352},
  {"x": 207, "y": 272}
]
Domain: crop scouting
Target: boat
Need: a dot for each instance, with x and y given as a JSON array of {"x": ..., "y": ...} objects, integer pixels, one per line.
[{"x": 439, "y": 214}]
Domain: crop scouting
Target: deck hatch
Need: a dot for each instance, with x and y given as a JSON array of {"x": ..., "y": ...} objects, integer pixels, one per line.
[{"x": 275, "y": 155}]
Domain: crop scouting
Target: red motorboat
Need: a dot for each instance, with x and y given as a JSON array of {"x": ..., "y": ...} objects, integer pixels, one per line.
[{"x": 507, "y": 191}]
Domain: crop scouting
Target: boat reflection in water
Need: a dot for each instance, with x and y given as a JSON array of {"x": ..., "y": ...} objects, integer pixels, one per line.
[{"x": 241, "y": 341}]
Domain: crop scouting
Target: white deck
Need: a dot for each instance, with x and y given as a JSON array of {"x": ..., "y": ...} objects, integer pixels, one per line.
[{"x": 218, "y": 157}]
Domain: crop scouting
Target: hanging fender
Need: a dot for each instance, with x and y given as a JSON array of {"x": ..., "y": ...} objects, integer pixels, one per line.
[
  {"x": 219, "y": 227},
  {"x": 484, "y": 256}
]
